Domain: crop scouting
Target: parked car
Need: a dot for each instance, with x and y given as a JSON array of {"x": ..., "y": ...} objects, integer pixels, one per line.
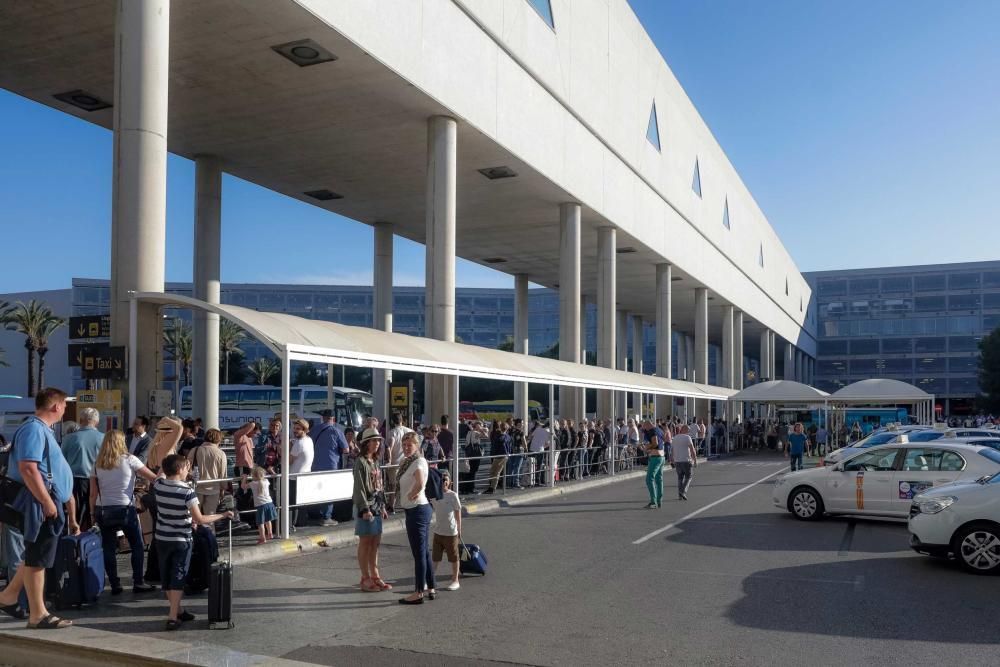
[
  {"x": 960, "y": 521},
  {"x": 882, "y": 480}
]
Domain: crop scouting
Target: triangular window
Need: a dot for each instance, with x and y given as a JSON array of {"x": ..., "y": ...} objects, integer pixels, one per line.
[
  {"x": 544, "y": 9},
  {"x": 696, "y": 181},
  {"x": 800, "y": 304},
  {"x": 725, "y": 215},
  {"x": 760, "y": 256},
  {"x": 653, "y": 129},
  {"x": 786, "y": 286}
]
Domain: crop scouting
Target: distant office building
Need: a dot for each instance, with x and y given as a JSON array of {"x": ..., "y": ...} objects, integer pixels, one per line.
[{"x": 919, "y": 324}]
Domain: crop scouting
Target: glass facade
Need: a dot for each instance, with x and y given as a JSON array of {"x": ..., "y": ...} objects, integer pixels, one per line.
[{"x": 921, "y": 325}]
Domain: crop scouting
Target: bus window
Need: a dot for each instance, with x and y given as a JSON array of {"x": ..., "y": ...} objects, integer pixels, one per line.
[
  {"x": 186, "y": 400},
  {"x": 229, "y": 400},
  {"x": 315, "y": 401},
  {"x": 255, "y": 400}
]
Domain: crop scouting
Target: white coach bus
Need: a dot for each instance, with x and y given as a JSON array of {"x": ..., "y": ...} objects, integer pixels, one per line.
[{"x": 241, "y": 403}]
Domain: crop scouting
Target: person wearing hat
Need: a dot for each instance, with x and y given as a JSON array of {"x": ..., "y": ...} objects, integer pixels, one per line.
[
  {"x": 369, "y": 510},
  {"x": 330, "y": 448},
  {"x": 300, "y": 460}
]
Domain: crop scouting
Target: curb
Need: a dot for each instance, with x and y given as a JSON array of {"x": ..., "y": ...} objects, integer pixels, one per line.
[{"x": 344, "y": 537}]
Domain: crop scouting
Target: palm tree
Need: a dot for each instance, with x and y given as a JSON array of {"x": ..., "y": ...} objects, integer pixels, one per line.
[
  {"x": 36, "y": 322},
  {"x": 230, "y": 337},
  {"x": 47, "y": 329},
  {"x": 178, "y": 339},
  {"x": 263, "y": 369}
]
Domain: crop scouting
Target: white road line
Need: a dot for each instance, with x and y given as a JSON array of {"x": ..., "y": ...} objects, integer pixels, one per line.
[{"x": 695, "y": 513}]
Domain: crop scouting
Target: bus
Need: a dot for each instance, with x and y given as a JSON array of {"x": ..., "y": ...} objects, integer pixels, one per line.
[
  {"x": 241, "y": 403},
  {"x": 490, "y": 411},
  {"x": 869, "y": 419}
]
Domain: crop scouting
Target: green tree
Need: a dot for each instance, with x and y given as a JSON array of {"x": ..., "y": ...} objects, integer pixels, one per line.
[
  {"x": 989, "y": 372},
  {"x": 35, "y": 321},
  {"x": 507, "y": 344},
  {"x": 230, "y": 337},
  {"x": 307, "y": 374},
  {"x": 178, "y": 339},
  {"x": 263, "y": 369},
  {"x": 49, "y": 327}
]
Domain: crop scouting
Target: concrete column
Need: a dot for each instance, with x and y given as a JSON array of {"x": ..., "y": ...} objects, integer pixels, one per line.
[
  {"x": 521, "y": 341},
  {"x": 664, "y": 334},
  {"x": 139, "y": 183},
  {"x": 621, "y": 359},
  {"x": 442, "y": 145},
  {"x": 382, "y": 311},
  {"x": 569, "y": 301},
  {"x": 701, "y": 346},
  {"x": 606, "y": 290},
  {"x": 772, "y": 355},
  {"x": 765, "y": 357},
  {"x": 738, "y": 349},
  {"x": 207, "y": 254},
  {"x": 789, "y": 361},
  {"x": 688, "y": 372},
  {"x": 638, "y": 350},
  {"x": 728, "y": 374}
]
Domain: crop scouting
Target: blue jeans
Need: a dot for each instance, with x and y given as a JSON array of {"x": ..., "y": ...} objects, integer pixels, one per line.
[
  {"x": 514, "y": 469},
  {"x": 111, "y": 519},
  {"x": 654, "y": 479},
  {"x": 418, "y": 526},
  {"x": 12, "y": 557},
  {"x": 175, "y": 559},
  {"x": 796, "y": 461}
]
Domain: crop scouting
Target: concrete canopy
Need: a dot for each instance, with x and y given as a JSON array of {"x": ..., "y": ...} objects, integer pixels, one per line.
[
  {"x": 780, "y": 391},
  {"x": 325, "y": 342}
]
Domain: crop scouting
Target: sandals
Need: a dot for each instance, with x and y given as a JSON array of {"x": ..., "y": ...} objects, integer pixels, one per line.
[
  {"x": 173, "y": 625},
  {"x": 14, "y": 611},
  {"x": 381, "y": 584},
  {"x": 368, "y": 585},
  {"x": 50, "y": 622}
]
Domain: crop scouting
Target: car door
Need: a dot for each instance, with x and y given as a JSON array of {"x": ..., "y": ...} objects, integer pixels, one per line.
[
  {"x": 863, "y": 484},
  {"x": 923, "y": 468}
]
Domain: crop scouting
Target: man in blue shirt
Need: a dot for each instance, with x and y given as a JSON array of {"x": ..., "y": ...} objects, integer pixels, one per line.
[
  {"x": 37, "y": 462},
  {"x": 330, "y": 450},
  {"x": 80, "y": 449},
  {"x": 655, "y": 450},
  {"x": 796, "y": 446}
]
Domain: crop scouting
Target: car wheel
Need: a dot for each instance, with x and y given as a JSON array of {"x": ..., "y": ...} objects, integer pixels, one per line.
[
  {"x": 805, "y": 504},
  {"x": 977, "y": 548}
]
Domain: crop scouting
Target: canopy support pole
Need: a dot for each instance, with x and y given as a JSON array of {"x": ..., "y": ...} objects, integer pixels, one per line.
[
  {"x": 453, "y": 410},
  {"x": 286, "y": 392},
  {"x": 552, "y": 435}
]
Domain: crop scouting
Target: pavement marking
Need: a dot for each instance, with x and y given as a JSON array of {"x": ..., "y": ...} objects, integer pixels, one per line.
[{"x": 695, "y": 513}]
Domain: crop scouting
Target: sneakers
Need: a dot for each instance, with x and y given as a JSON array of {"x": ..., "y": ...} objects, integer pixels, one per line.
[
  {"x": 138, "y": 589},
  {"x": 651, "y": 506},
  {"x": 453, "y": 586},
  {"x": 328, "y": 523}
]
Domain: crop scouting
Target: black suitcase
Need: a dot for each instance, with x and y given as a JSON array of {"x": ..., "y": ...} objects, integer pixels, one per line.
[
  {"x": 204, "y": 553},
  {"x": 220, "y": 591}
]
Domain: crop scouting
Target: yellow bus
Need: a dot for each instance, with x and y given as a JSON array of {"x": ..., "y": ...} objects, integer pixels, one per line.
[{"x": 490, "y": 411}]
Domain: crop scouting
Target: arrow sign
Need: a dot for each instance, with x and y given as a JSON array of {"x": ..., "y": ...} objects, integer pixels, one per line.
[
  {"x": 102, "y": 362},
  {"x": 90, "y": 326}
]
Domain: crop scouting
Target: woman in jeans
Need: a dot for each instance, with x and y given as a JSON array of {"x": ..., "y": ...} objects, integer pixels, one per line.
[
  {"x": 112, "y": 485},
  {"x": 412, "y": 477}
]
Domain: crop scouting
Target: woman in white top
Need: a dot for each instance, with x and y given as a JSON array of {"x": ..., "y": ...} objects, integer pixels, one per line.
[
  {"x": 112, "y": 485},
  {"x": 412, "y": 477}
]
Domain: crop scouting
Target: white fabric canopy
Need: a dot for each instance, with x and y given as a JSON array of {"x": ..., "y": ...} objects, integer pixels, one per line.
[
  {"x": 319, "y": 341},
  {"x": 780, "y": 391},
  {"x": 880, "y": 391}
]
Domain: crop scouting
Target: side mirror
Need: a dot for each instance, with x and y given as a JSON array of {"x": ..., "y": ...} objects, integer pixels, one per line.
[{"x": 838, "y": 468}]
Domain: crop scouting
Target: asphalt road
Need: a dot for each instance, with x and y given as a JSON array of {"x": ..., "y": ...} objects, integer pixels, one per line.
[{"x": 737, "y": 583}]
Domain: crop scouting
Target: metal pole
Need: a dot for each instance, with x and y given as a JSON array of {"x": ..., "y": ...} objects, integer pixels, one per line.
[
  {"x": 552, "y": 435},
  {"x": 286, "y": 398},
  {"x": 329, "y": 386},
  {"x": 614, "y": 433},
  {"x": 454, "y": 439}
]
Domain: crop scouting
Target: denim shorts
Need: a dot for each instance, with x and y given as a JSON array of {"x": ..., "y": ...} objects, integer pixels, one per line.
[
  {"x": 364, "y": 528},
  {"x": 175, "y": 558}
]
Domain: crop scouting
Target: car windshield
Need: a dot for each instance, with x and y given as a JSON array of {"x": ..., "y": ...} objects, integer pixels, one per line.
[
  {"x": 877, "y": 439},
  {"x": 926, "y": 436},
  {"x": 992, "y": 455}
]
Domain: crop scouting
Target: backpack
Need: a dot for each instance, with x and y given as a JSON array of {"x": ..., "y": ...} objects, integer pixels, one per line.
[{"x": 434, "y": 486}]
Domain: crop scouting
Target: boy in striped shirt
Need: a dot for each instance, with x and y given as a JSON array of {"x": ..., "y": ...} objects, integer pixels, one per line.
[{"x": 176, "y": 509}]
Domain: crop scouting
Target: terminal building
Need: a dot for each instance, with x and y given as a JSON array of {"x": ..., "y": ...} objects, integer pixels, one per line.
[
  {"x": 544, "y": 138},
  {"x": 918, "y": 324}
]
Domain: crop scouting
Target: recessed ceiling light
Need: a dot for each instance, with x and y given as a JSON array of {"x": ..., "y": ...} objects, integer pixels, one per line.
[
  {"x": 81, "y": 99},
  {"x": 676, "y": 280},
  {"x": 323, "y": 195},
  {"x": 625, "y": 251},
  {"x": 494, "y": 173},
  {"x": 304, "y": 52},
  {"x": 494, "y": 260}
]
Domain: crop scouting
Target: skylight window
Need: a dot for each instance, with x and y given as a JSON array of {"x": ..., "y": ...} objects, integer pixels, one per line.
[
  {"x": 653, "y": 129},
  {"x": 725, "y": 215},
  {"x": 544, "y": 9},
  {"x": 696, "y": 181},
  {"x": 760, "y": 256}
]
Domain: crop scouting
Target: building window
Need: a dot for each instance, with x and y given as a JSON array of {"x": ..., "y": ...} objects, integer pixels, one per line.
[
  {"x": 963, "y": 344},
  {"x": 786, "y": 286},
  {"x": 760, "y": 256},
  {"x": 832, "y": 288},
  {"x": 653, "y": 129},
  {"x": 829, "y": 348},
  {"x": 696, "y": 180},
  {"x": 928, "y": 365},
  {"x": 864, "y": 346},
  {"x": 897, "y": 284},
  {"x": 963, "y": 365},
  {"x": 929, "y": 303},
  {"x": 864, "y": 286},
  {"x": 928, "y": 283},
  {"x": 897, "y": 345},
  {"x": 544, "y": 9},
  {"x": 963, "y": 281},
  {"x": 930, "y": 345},
  {"x": 725, "y": 215},
  {"x": 963, "y": 302}
]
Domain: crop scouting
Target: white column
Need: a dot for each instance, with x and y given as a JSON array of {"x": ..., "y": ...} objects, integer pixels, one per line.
[
  {"x": 382, "y": 311},
  {"x": 738, "y": 349},
  {"x": 688, "y": 372},
  {"x": 207, "y": 254},
  {"x": 701, "y": 346},
  {"x": 606, "y": 238},
  {"x": 638, "y": 350},
  {"x": 139, "y": 181},
  {"x": 772, "y": 355},
  {"x": 621, "y": 359},
  {"x": 789, "y": 361},
  {"x": 664, "y": 335},
  {"x": 569, "y": 300},
  {"x": 521, "y": 342},
  {"x": 728, "y": 374},
  {"x": 442, "y": 145},
  {"x": 765, "y": 358}
]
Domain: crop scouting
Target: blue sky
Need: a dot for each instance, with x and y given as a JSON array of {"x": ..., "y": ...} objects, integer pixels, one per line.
[{"x": 867, "y": 132}]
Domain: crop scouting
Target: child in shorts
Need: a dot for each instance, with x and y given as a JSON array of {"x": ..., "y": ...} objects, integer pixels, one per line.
[
  {"x": 262, "y": 502},
  {"x": 447, "y": 529}
]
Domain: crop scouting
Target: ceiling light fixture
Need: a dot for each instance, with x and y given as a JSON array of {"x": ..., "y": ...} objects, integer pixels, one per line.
[
  {"x": 627, "y": 250},
  {"x": 494, "y": 260},
  {"x": 81, "y": 99},
  {"x": 496, "y": 173},
  {"x": 323, "y": 195},
  {"x": 304, "y": 52}
]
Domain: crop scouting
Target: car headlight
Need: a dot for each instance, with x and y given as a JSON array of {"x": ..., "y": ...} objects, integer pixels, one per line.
[{"x": 934, "y": 505}]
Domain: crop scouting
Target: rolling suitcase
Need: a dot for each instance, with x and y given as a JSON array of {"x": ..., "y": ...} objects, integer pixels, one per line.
[
  {"x": 472, "y": 560},
  {"x": 220, "y": 591},
  {"x": 527, "y": 472},
  {"x": 77, "y": 576}
]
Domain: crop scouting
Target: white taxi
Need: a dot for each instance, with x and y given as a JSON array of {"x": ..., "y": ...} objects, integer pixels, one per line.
[{"x": 882, "y": 480}]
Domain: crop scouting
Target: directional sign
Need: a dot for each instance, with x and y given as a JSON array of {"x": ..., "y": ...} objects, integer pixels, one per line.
[
  {"x": 90, "y": 326},
  {"x": 77, "y": 351},
  {"x": 400, "y": 396},
  {"x": 100, "y": 362}
]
